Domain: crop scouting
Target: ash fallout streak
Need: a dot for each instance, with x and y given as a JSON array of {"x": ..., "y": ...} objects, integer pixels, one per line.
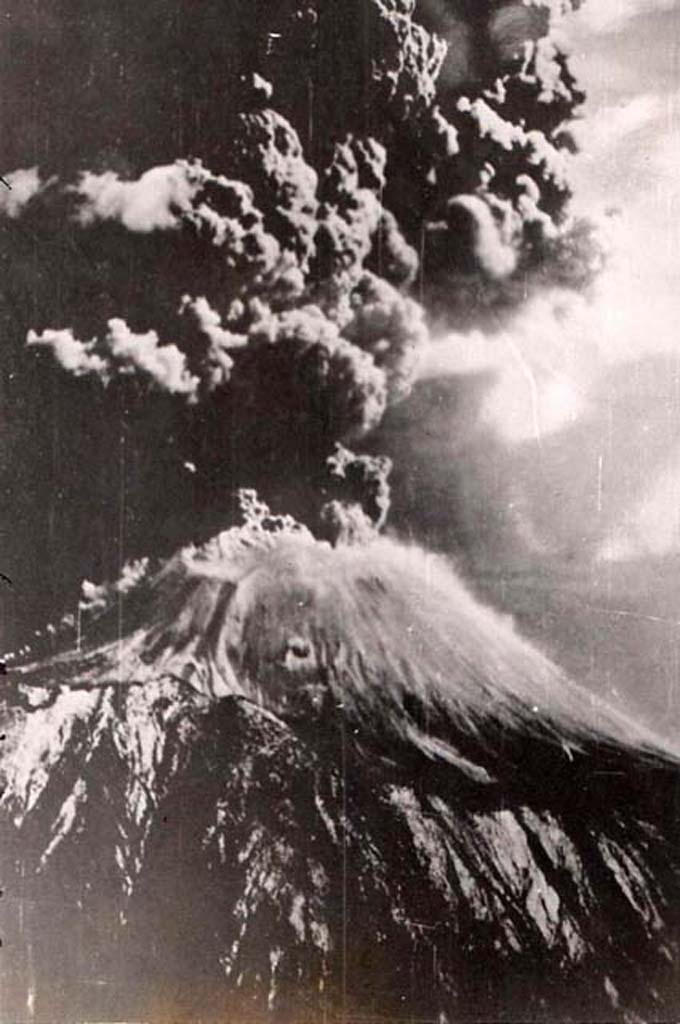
[{"x": 283, "y": 765}]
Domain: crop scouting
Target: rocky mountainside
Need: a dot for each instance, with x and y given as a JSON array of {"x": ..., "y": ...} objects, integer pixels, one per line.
[{"x": 280, "y": 781}]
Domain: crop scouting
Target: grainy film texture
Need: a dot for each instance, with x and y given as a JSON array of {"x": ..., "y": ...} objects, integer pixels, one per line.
[{"x": 340, "y": 471}]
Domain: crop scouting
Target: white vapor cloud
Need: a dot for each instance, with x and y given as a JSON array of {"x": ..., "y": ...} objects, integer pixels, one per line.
[
  {"x": 218, "y": 364},
  {"x": 24, "y": 184},
  {"x": 494, "y": 254},
  {"x": 613, "y": 15},
  {"x": 209, "y": 322},
  {"x": 76, "y": 357},
  {"x": 548, "y": 361},
  {"x": 151, "y": 203},
  {"x": 120, "y": 353},
  {"x": 540, "y": 363},
  {"x": 165, "y": 365}
]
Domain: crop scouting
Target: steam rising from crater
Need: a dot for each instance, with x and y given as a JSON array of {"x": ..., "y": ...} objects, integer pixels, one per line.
[
  {"x": 281, "y": 287},
  {"x": 385, "y": 632}
]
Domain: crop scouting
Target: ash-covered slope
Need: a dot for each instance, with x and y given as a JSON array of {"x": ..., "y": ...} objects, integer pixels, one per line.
[{"x": 284, "y": 781}]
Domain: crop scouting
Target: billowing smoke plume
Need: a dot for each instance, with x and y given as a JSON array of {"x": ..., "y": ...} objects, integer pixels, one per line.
[
  {"x": 367, "y": 174},
  {"x": 359, "y": 495}
]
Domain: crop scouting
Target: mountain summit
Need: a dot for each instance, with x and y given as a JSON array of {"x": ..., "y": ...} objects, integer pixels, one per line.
[{"x": 282, "y": 781}]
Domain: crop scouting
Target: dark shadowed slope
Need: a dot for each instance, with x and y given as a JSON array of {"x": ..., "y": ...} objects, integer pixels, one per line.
[{"x": 303, "y": 780}]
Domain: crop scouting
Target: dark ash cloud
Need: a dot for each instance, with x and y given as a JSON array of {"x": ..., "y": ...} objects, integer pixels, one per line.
[{"x": 245, "y": 281}]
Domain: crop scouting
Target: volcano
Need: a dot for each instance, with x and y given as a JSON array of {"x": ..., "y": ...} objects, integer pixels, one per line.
[
  {"x": 277, "y": 780},
  {"x": 291, "y": 770}
]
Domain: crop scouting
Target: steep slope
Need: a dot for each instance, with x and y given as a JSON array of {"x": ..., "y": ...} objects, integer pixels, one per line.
[{"x": 284, "y": 781}]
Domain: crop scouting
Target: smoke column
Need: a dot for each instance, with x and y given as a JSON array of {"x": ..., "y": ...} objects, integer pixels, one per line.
[{"x": 249, "y": 298}]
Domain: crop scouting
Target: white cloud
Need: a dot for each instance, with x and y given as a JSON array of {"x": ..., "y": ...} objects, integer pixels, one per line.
[
  {"x": 613, "y": 15},
  {"x": 218, "y": 362},
  {"x": 493, "y": 253},
  {"x": 164, "y": 365},
  {"x": 542, "y": 362},
  {"x": 24, "y": 184},
  {"x": 120, "y": 353},
  {"x": 76, "y": 357},
  {"x": 153, "y": 202},
  {"x": 551, "y": 357}
]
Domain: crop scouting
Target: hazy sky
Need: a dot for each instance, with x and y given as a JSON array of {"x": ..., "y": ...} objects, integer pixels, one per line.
[
  {"x": 560, "y": 360},
  {"x": 577, "y": 445}
]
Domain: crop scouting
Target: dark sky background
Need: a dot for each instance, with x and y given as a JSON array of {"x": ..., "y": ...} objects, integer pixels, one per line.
[{"x": 546, "y": 462}]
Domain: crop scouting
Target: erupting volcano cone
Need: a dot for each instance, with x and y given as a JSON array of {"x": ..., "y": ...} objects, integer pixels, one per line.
[{"x": 303, "y": 782}]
